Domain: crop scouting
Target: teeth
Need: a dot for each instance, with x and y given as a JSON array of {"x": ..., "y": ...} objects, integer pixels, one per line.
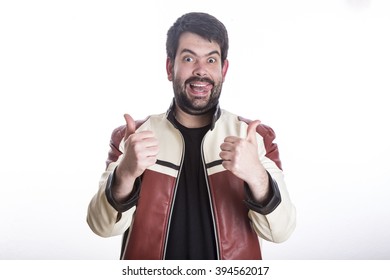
[{"x": 196, "y": 85}]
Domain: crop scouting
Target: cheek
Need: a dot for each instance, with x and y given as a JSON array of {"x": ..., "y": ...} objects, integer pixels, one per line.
[
  {"x": 183, "y": 70},
  {"x": 180, "y": 75},
  {"x": 218, "y": 76},
  {"x": 217, "y": 72}
]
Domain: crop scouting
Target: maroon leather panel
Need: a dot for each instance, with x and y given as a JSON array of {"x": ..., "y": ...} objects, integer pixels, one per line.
[
  {"x": 151, "y": 217},
  {"x": 238, "y": 240}
]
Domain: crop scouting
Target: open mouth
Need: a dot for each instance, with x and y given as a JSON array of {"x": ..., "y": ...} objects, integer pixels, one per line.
[{"x": 200, "y": 86}]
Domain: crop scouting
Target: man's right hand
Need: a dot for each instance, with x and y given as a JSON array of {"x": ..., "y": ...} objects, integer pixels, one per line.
[{"x": 140, "y": 152}]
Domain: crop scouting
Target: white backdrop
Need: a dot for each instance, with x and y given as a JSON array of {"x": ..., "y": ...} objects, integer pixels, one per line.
[{"x": 316, "y": 71}]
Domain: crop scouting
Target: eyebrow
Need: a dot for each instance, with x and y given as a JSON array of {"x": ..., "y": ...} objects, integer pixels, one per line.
[{"x": 193, "y": 53}]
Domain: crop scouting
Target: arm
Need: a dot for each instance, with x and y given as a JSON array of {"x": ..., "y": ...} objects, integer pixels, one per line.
[
  {"x": 276, "y": 222},
  {"x": 255, "y": 160},
  {"x": 103, "y": 219},
  {"x": 110, "y": 210}
]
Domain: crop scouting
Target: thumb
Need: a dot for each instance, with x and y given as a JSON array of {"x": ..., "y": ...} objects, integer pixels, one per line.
[
  {"x": 130, "y": 125},
  {"x": 251, "y": 131}
]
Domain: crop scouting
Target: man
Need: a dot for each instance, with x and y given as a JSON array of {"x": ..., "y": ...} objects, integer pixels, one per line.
[{"x": 197, "y": 182}]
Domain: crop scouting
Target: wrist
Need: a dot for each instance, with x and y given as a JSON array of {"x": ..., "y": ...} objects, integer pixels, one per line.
[
  {"x": 122, "y": 184},
  {"x": 259, "y": 187}
]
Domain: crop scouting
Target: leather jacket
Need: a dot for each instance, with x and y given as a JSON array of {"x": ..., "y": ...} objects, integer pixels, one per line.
[{"x": 239, "y": 222}]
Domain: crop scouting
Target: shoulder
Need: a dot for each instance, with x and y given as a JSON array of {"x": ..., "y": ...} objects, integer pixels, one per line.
[
  {"x": 264, "y": 130},
  {"x": 119, "y": 132}
]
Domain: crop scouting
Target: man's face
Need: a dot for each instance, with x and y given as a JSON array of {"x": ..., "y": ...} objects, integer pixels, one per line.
[{"x": 197, "y": 74}]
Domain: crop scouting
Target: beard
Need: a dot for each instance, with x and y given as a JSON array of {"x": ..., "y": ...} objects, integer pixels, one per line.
[{"x": 196, "y": 106}]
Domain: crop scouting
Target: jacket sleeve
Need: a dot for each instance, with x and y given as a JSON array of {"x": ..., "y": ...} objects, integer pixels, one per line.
[
  {"x": 104, "y": 217},
  {"x": 277, "y": 222}
]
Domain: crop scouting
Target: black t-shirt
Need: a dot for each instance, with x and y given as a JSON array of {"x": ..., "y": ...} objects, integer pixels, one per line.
[{"x": 191, "y": 233}]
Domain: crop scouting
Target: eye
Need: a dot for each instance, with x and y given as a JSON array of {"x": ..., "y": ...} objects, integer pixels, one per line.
[
  {"x": 211, "y": 60},
  {"x": 188, "y": 59}
]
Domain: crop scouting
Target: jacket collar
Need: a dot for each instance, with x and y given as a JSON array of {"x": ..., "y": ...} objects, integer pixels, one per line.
[{"x": 170, "y": 114}]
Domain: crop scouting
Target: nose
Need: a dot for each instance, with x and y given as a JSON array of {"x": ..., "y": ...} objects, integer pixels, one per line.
[{"x": 200, "y": 70}]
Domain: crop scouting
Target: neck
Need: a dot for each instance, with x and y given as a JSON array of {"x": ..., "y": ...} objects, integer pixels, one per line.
[{"x": 192, "y": 121}]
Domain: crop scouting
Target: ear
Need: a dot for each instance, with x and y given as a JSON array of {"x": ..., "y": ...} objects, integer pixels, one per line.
[
  {"x": 169, "y": 67},
  {"x": 225, "y": 67}
]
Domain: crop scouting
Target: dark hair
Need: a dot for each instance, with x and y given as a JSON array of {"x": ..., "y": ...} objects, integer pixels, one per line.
[{"x": 202, "y": 24}]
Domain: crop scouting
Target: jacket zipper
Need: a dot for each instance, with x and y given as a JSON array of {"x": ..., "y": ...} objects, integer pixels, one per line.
[
  {"x": 173, "y": 200},
  {"x": 211, "y": 202}
]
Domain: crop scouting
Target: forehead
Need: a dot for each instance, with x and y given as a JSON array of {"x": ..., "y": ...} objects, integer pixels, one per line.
[{"x": 197, "y": 44}]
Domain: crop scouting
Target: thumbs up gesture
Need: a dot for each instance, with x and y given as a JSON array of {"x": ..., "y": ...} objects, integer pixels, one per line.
[
  {"x": 140, "y": 152},
  {"x": 240, "y": 156}
]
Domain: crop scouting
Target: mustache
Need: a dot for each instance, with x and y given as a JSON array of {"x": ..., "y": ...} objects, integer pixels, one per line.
[{"x": 197, "y": 79}]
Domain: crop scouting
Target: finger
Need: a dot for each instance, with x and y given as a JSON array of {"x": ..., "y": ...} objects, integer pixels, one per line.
[
  {"x": 149, "y": 142},
  {"x": 231, "y": 139},
  {"x": 251, "y": 131},
  {"x": 130, "y": 125},
  {"x": 225, "y": 146},
  {"x": 225, "y": 156}
]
